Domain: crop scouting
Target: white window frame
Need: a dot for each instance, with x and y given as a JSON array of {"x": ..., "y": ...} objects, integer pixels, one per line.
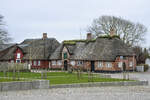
[
  {"x": 59, "y": 62},
  {"x": 130, "y": 64},
  {"x": 79, "y": 63},
  {"x": 34, "y": 63},
  {"x": 12, "y": 61},
  {"x": 72, "y": 63},
  {"x": 39, "y": 63},
  {"x": 18, "y": 55},
  {"x": 54, "y": 62},
  {"x": 108, "y": 64},
  {"x": 120, "y": 64},
  {"x": 121, "y": 57},
  {"x": 100, "y": 64}
]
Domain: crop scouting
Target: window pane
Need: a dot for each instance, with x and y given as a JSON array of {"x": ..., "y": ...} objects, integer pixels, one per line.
[
  {"x": 108, "y": 64},
  {"x": 34, "y": 63},
  {"x": 131, "y": 64},
  {"x": 39, "y": 63},
  {"x": 72, "y": 63},
  {"x": 18, "y": 61},
  {"x": 80, "y": 62},
  {"x": 65, "y": 55},
  {"x": 59, "y": 62},
  {"x": 18, "y": 55},
  {"x": 120, "y": 64},
  {"x": 53, "y": 62},
  {"x": 100, "y": 64},
  {"x": 121, "y": 57},
  {"x": 12, "y": 61}
]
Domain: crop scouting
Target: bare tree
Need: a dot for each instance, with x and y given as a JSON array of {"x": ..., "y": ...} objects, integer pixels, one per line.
[
  {"x": 4, "y": 38},
  {"x": 131, "y": 33},
  {"x": 141, "y": 54}
]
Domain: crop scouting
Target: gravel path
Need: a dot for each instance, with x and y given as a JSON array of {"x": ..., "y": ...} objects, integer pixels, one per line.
[{"x": 95, "y": 93}]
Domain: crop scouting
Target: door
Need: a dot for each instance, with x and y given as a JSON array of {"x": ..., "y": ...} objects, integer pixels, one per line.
[
  {"x": 65, "y": 64},
  {"x": 92, "y": 66}
]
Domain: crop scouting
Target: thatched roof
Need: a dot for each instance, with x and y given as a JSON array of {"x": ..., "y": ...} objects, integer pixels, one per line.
[
  {"x": 8, "y": 53},
  {"x": 34, "y": 49},
  {"x": 100, "y": 49},
  {"x": 4, "y": 46},
  {"x": 39, "y": 48}
]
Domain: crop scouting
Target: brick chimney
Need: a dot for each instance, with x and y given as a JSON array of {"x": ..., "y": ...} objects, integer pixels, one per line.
[
  {"x": 112, "y": 32},
  {"x": 44, "y": 36},
  {"x": 89, "y": 36}
]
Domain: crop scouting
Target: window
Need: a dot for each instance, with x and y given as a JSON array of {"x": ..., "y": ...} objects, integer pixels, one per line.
[
  {"x": 72, "y": 63},
  {"x": 39, "y": 63},
  {"x": 108, "y": 64},
  {"x": 120, "y": 64},
  {"x": 80, "y": 63},
  {"x": 59, "y": 62},
  {"x": 18, "y": 55},
  {"x": 65, "y": 55},
  {"x": 18, "y": 61},
  {"x": 130, "y": 63},
  {"x": 34, "y": 63},
  {"x": 53, "y": 62},
  {"x": 100, "y": 64},
  {"x": 12, "y": 61},
  {"x": 121, "y": 57}
]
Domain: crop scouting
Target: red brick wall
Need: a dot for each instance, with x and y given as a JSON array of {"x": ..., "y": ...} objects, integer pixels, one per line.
[
  {"x": 127, "y": 61},
  {"x": 43, "y": 64},
  {"x": 87, "y": 65},
  {"x": 57, "y": 66}
]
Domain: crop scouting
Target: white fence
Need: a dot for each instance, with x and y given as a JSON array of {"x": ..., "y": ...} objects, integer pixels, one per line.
[{"x": 140, "y": 68}]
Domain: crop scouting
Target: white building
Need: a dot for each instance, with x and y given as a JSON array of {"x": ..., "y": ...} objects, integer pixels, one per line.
[{"x": 147, "y": 61}]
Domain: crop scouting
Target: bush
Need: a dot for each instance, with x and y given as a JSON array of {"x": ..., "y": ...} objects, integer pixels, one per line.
[{"x": 146, "y": 67}]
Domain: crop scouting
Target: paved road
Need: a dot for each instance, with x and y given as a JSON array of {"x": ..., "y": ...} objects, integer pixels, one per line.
[{"x": 96, "y": 93}]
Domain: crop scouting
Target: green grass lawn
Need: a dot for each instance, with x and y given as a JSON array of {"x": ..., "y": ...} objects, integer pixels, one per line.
[
  {"x": 62, "y": 77},
  {"x": 9, "y": 80}
]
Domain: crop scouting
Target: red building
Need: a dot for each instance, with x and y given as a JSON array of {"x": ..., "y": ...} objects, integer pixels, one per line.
[{"x": 35, "y": 52}]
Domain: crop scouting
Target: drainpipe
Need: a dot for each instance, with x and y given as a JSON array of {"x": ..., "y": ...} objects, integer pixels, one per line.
[{"x": 133, "y": 63}]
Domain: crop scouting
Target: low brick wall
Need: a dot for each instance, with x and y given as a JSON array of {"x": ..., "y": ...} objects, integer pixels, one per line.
[
  {"x": 37, "y": 84},
  {"x": 101, "y": 84}
]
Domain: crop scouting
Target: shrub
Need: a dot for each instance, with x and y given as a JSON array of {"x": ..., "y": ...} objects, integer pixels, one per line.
[{"x": 146, "y": 67}]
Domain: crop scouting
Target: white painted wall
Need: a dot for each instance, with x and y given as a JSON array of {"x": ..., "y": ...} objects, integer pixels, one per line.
[{"x": 147, "y": 61}]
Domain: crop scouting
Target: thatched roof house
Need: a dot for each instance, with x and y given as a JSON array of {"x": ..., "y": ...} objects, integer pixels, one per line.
[
  {"x": 105, "y": 53},
  {"x": 89, "y": 53},
  {"x": 105, "y": 49},
  {"x": 35, "y": 49}
]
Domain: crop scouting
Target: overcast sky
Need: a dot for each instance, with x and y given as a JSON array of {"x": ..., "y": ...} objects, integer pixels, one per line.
[{"x": 66, "y": 19}]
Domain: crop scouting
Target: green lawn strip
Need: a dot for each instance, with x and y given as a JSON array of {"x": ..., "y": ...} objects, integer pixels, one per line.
[
  {"x": 11, "y": 80},
  {"x": 70, "y": 80},
  {"x": 63, "y": 77}
]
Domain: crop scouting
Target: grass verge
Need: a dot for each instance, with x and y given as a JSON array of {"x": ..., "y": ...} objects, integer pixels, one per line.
[{"x": 60, "y": 77}]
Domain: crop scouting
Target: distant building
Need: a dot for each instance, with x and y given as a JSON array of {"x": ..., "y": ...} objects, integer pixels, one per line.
[{"x": 147, "y": 61}]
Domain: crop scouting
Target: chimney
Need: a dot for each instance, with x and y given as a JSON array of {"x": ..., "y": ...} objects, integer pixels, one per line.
[
  {"x": 112, "y": 32},
  {"x": 89, "y": 36},
  {"x": 44, "y": 36}
]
